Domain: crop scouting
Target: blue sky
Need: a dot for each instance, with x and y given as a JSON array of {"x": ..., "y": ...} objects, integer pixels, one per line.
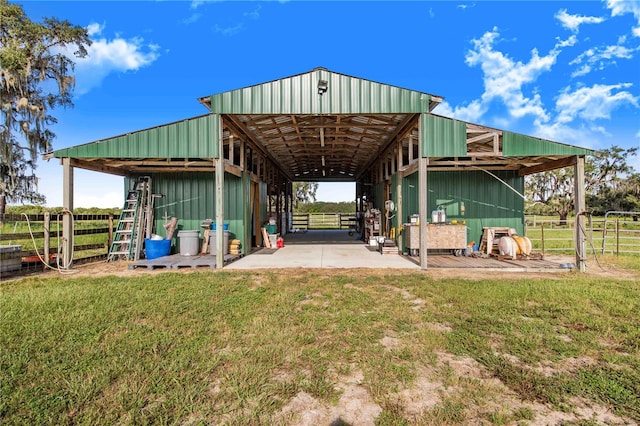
[{"x": 568, "y": 71}]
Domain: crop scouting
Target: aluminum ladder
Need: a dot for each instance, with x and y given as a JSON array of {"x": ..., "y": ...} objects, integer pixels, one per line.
[{"x": 133, "y": 223}]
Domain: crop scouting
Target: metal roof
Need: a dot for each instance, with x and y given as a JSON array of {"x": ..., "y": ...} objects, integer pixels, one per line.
[{"x": 321, "y": 126}]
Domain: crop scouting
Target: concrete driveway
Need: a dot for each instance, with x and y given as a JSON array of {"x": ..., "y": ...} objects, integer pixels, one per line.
[{"x": 322, "y": 249}]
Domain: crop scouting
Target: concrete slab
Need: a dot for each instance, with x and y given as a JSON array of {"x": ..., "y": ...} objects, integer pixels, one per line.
[
  {"x": 324, "y": 255},
  {"x": 338, "y": 249}
]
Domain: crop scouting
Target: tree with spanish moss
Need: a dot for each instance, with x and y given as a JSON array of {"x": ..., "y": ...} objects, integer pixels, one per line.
[
  {"x": 610, "y": 184},
  {"x": 36, "y": 76},
  {"x": 304, "y": 192}
]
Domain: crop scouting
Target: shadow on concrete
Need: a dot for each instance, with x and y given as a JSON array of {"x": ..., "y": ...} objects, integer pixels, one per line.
[{"x": 323, "y": 237}]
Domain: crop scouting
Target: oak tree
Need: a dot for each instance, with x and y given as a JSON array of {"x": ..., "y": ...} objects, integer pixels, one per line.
[{"x": 36, "y": 76}]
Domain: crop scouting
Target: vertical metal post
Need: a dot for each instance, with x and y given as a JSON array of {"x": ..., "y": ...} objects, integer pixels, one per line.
[
  {"x": 542, "y": 237},
  {"x": 67, "y": 203},
  {"x": 579, "y": 199}
]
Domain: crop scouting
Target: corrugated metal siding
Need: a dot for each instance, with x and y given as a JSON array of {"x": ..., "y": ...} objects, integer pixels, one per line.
[
  {"x": 395, "y": 222},
  {"x": 443, "y": 137},
  {"x": 264, "y": 202},
  {"x": 517, "y": 145},
  {"x": 487, "y": 201},
  {"x": 379, "y": 200},
  {"x": 248, "y": 234},
  {"x": 299, "y": 95},
  {"x": 191, "y": 138},
  {"x": 191, "y": 198}
]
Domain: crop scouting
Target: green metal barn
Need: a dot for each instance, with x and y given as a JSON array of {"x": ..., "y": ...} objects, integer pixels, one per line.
[{"x": 237, "y": 162}]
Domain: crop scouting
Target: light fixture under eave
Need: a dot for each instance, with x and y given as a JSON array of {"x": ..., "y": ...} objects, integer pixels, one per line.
[{"x": 322, "y": 87}]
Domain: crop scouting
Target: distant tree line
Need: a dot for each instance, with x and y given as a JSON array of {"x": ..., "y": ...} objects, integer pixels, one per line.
[
  {"x": 33, "y": 209},
  {"x": 326, "y": 207},
  {"x": 611, "y": 184}
]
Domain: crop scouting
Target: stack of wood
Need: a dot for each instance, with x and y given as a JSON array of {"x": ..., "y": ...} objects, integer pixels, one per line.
[{"x": 234, "y": 247}]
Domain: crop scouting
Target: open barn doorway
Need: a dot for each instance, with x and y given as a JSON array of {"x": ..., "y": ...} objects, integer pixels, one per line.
[{"x": 325, "y": 212}]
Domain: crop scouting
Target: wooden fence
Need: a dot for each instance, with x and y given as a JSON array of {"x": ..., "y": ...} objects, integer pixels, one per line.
[
  {"x": 620, "y": 235},
  {"x": 325, "y": 221},
  {"x": 40, "y": 236}
]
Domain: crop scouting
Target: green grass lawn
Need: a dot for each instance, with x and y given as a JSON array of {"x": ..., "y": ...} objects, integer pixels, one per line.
[{"x": 239, "y": 347}]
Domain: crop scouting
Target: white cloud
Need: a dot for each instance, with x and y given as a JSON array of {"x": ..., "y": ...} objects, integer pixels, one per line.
[
  {"x": 229, "y": 31},
  {"x": 579, "y": 110},
  {"x": 593, "y": 103},
  {"x": 573, "y": 22},
  {"x": 600, "y": 58},
  {"x": 469, "y": 112},
  {"x": 505, "y": 79},
  {"x": 95, "y": 28},
  {"x": 107, "y": 56},
  {"x": 575, "y": 135},
  {"x": 195, "y": 17},
  {"x": 466, "y": 6},
  {"x": 566, "y": 43},
  {"x": 622, "y": 7},
  {"x": 254, "y": 14}
]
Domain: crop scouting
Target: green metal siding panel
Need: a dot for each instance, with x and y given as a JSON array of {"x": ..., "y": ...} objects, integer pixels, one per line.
[
  {"x": 443, "y": 137},
  {"x": 410, "y": 201},
  {"x": 191, "y": 198},
  {"x": 378, "y": 196},
  {"x": 247, "y": 241},
  {"x": 410, "y": 196},
  {"x": 487, "y": 201},
  {"x": 517, "y": 145},
  {"x": 191, "y": 138},
  {"x": 234, "y": 207},
  {"x": 299, "y": 95},
  {"x": 396, "y": 221},
  {"x": 264, "y": 203}
]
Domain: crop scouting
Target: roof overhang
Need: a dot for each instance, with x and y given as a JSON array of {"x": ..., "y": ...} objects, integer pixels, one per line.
[{"x": 335, "y": 134}]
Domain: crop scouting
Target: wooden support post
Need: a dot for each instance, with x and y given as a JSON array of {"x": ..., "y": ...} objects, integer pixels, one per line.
[
  {"x": 47, "y": 238},
  {"x": 219, "y": 243},
  {"x": 110, "y": 232},
  {"x": 617, "y": 237},
  {"x": 422, "y": 203},
  {"x": 579, "y": 200},
  {"x": 242, "y": 156},
  {"x": 67, "y": 203},
  {"x": 411, "y": 149},
  {"x": 423, "y": 161},
  {"x": 399, "y": 212}
]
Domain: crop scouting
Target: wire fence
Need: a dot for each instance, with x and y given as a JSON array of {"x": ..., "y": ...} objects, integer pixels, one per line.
[
  {"x": 37, "y": 238},
  {"x": 605, "y": 235}
]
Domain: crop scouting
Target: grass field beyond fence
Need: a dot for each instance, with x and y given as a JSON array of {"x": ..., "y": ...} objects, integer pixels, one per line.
[{"x": 261, "y": 348}]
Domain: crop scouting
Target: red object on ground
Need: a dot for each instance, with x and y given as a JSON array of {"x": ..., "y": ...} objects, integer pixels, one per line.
[{"x": 280, "y": 242}]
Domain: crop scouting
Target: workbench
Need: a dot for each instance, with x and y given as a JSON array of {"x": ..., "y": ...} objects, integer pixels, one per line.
[{"x": 439, "y": 237}]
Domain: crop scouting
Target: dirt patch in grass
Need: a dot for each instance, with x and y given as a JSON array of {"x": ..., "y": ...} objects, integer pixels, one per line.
[
  {"x": 594, "y": 268},
  {"x": 355, "y": 406},
  {"x": 441, "y": 387}
]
